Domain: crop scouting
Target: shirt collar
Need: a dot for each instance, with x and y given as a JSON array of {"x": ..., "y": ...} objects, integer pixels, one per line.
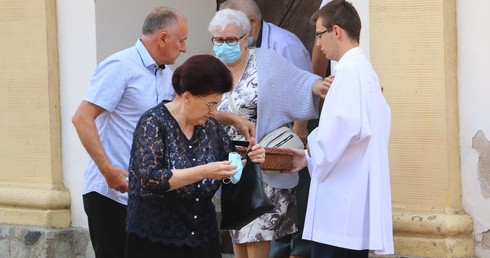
[
  {"x": 145, "y": 56},
  {"x": 351, "y": 52}
]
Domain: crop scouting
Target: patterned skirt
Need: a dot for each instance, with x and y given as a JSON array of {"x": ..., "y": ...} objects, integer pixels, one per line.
[{"x": 274, "y": 225}]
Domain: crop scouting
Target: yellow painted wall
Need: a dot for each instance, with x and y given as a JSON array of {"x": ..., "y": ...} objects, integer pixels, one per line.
[
  {"x": 30, "y": 149},
  {"x": 412, "y": 47},
  {"x": 414, "y": 51}
]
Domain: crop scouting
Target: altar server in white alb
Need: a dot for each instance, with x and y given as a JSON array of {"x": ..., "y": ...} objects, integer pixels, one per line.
[{"x": 349, "y": 204}]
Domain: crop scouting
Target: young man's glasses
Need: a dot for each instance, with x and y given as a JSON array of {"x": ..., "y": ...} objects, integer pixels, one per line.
[
  {"x": 231, "y": 41},
  {"x": 319, "y": 34}
]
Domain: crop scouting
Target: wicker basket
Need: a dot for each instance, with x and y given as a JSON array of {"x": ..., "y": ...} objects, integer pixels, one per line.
[{"x": 276, "y": 159}]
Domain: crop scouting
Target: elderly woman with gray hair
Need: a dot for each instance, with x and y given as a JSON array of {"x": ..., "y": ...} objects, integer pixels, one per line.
[{"x": 268, "y": 92}]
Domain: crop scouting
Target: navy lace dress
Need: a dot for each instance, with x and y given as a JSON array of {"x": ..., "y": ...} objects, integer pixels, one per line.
[{"x": 181, "y": 217}]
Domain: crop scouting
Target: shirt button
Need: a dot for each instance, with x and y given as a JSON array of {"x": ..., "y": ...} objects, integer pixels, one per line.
[
  {"x": 195, "y": 216},
  {"x": 192, "y": 233},
  {"x": 193, "y": 159},
  {"x": 197, "y": 199},
  {"x": 198, "y": 186},
  {"x": 190, "y": 147}
]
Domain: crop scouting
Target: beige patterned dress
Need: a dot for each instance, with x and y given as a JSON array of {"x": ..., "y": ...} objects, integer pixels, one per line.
[{"x": 281, "y": 221}]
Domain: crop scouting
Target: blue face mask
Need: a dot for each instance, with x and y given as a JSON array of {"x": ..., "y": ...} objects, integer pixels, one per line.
[
  {"x": 250, "y": 41},
  {"x": 251, "y": 38},
  {"x": 227, "y": 54}
]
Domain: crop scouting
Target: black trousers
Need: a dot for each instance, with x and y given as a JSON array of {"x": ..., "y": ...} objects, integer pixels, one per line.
[
  {"x": 107, "y": 225},
  {"x": 138, "y": 247},
  {"x": 319, "y": 250}
]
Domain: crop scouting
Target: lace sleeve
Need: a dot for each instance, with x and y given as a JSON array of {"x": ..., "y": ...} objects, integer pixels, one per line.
[{"x": 147, "y": 164}]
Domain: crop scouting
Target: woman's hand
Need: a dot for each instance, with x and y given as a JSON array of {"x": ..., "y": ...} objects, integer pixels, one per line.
[
  {"x": 329, "y": 80},
  {"x": 245, "y": 127},
  {"x": 214, "y": 170},
  {"x": 321, "y": 87},
  {"x": 218, "y": 170},
  {"x": 256, "y": 152}
]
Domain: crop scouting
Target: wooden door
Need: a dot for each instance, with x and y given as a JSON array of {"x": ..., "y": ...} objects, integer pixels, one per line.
[{"x": 293, "y": 15}]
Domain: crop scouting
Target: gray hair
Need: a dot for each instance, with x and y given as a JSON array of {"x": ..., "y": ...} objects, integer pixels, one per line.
[
  {"x": 249, "y": 7},
  {"x": 160, "y": 18},
  {"x": 226, "y": 17}
]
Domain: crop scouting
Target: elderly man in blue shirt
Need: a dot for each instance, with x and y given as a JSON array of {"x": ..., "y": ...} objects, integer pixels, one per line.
[{"x": 124, "y": 86}]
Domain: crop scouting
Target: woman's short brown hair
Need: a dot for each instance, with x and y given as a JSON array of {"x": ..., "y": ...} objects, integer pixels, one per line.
[{"x": 202, "y": 75}]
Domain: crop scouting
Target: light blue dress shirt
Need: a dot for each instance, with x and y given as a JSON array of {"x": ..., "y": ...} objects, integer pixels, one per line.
[
  {"x": 286, "y": 44},
  {"x": 126, "y": 85}
]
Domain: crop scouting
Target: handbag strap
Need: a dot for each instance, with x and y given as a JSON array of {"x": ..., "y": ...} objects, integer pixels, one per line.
[
  {"x": 241, "y": 143},
  {"x": 232, "y": 103}
]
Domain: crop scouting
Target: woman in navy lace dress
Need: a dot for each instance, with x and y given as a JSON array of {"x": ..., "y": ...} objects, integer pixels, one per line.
[{"x": 178, "y": 159}]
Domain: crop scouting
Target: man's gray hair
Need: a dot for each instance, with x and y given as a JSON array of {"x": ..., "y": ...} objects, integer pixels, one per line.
[
  {"x": 160, "y": 18},
  {"x": 249, "y": 7}
]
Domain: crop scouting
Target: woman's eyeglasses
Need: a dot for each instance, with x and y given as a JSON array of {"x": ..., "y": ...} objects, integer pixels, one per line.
[
  {"x": 211, "y": 105},
  {"x": 231, "y": 41}
]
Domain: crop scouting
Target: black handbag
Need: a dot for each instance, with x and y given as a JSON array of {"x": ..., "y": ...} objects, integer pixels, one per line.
[{"x": 244, "y": 201}]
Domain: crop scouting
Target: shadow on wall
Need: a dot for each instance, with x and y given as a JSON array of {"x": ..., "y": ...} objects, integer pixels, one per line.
[{"x": 482, "y": 147}]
